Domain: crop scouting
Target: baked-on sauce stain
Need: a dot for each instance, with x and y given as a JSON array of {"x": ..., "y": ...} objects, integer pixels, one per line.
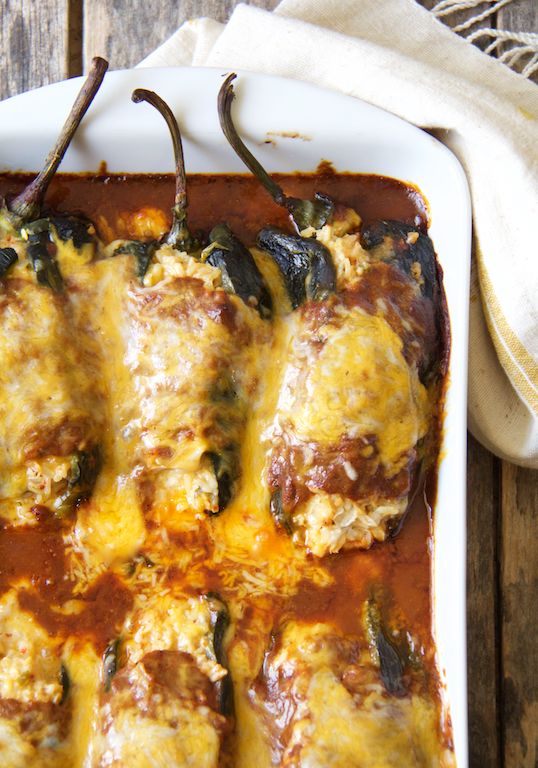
[
  {"x": 238, "y": 200},
  {"x": 401, "y": 566}
]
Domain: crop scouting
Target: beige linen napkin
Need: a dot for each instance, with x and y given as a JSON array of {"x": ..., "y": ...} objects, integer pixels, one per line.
[{"x": 395, "y": 54}]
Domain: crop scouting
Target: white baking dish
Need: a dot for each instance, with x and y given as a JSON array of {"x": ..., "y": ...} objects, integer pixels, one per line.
[{"x": 353, "y": 136}]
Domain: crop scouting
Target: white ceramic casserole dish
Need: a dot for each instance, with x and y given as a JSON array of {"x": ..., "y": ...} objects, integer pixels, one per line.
[{"x": 353, "y": 136}]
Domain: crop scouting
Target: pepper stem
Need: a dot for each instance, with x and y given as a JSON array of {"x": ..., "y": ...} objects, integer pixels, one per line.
[
  {"x": 27, "y": 205},
  {"x": 304, "y": 213},
  {"x": 226, "y": 97},
  {"x": 179, "y": 235}
]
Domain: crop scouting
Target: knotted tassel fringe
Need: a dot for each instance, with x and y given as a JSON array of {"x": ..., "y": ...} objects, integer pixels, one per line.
[{"x": 519, "y": 49}]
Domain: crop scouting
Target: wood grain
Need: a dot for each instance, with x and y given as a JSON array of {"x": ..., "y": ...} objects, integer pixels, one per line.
[
  {"x": 124, "y": 32},
  {"x": 483, "y": 626},
  {"x": 519, "y": 588},
  {"x": 34, "y": 40},
  {"x": 518, "y": 16}
]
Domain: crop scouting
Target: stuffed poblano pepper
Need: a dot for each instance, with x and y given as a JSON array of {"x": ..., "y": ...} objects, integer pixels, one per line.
[
  {"x": 364, "y": 356},
  {"x": 49, "y": 451},
  {"x": 36, "y": 706},
  {"x": 191, "y": 319},
  {"x": 324, "y": 698},
  {"x": 166, "y": 697}
]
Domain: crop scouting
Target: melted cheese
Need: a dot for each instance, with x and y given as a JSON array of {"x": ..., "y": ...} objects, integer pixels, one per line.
[
  {"x": 29, "y": 659},
  {"x": 358, "y": 384},
  {"x": 143, "y": 724},
  {"x": 49, "y": 408},
  {"x": 30, "y": 663},
  {"x": 175, "y": 624},
  {"x": 41, "y": 384},
  {"x": 169, "y": 264},
  {"x": 173, "y": 737},
  {"x": 83, "y": 666},
  {"x": 326, "y": 723},
  {"x": 123, "y": 354}
]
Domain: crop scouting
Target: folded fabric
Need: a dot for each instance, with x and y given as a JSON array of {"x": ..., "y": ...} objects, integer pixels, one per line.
[{"x": 396, "y": 55}]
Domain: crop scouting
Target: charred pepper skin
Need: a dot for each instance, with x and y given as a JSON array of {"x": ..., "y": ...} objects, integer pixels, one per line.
[
  {"x": 406, "y": 249},
  {"x": 24, "y": 211},
  {"x": 8, "y": 257},
  {"x": 78, "y": 230},
  {"x": 85, "y": 467},
  {"x": 37, "y": 235},
  {"x": 142, "y": 252},
  {"x": 110, "y": 664},
  {"x": 220, "y": 622},
  {"x": 391, "y": 667},
  {"x": 65, "y": 682},
  {"x": 240, "y": 275},
  {"x": 406, "y": 253},
  {"x": 305, "y": 263},
  {"x": 282, "y": 518},
  {"x": 224, "y": 471}
]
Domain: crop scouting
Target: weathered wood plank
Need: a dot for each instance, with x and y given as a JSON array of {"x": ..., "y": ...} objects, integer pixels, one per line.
[
  {"x": 34, "y": 40},
  {"x": 124, "y": 32},
  {"x": 519, "y": 15},
  {"x": 482, "y": 601},
  {"x": 519, "y": 585}
]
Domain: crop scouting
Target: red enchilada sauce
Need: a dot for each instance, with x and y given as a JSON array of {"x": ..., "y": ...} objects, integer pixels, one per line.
[{"x": 401, "y": 566}]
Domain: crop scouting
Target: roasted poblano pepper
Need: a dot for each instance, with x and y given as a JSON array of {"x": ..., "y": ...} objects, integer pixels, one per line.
[
  {"x": 23, "y": 213},
  {"x": 8, "y": 257},
  {"x": 402, "y": 244},
  {"x": 49, "y": 455},
  {"x": 165, "y": 696},
  {"x": 142, "y": 252},
  {"x": 240, "y": 275},
  {"x": 305, "y": 264},
  {"x": 220, "y": 622},
  {"x": 226, "y": 263},
  {"x": 65, "y": 682},
  {"x": 357, "y": 712},
  {"x": 304, "y": 213},
  {"x": 239, "y": 272},
  {"x": 37, "y": 235},
  {"x": 85, "y": 467},
  {"x": 384, "y": 653},
  {"x": 367, "y": 329},
  {"x": 74, "y": 229}
]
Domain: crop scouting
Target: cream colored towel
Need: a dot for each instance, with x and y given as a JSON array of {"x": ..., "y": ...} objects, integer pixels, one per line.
[{"x": 395, "y": 54}]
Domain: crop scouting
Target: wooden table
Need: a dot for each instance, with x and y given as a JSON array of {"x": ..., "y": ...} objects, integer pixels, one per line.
[{"x": 53, "y": 39}]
